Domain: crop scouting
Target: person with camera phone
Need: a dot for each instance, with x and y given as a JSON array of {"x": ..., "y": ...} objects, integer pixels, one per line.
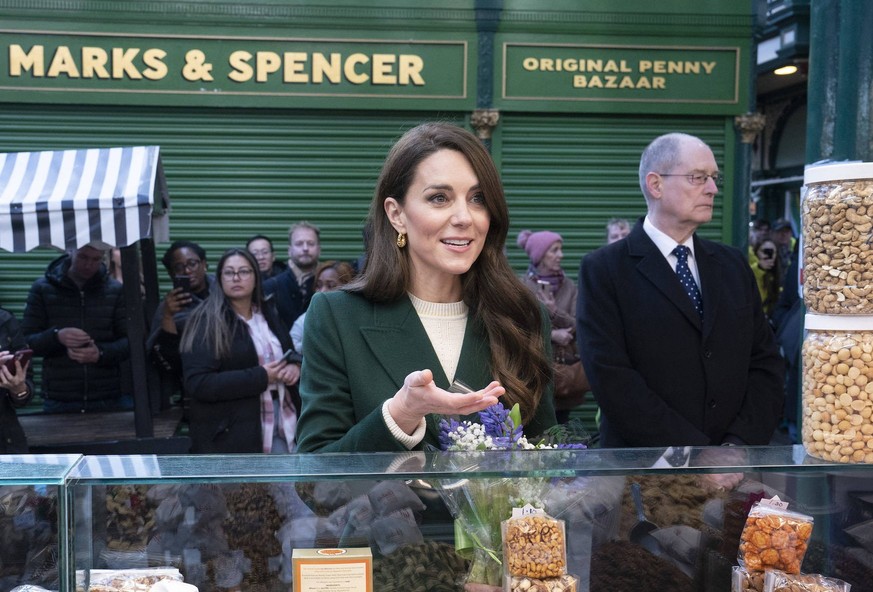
[
  {"x": 16, "y": 383},
  {"x": 768, "y": 272}
]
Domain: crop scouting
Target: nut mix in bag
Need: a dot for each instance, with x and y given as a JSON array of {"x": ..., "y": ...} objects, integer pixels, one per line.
[
  {"x": 534, "y": 546},
  {"x": 565, "y": 583},
  {"x": 774, "y": 538},
  {"x": 743, "y": 580},
  {"x": 777, "y": 581}
]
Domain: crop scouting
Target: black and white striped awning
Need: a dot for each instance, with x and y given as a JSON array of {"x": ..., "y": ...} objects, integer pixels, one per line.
[{"x": 70, "y": 198}]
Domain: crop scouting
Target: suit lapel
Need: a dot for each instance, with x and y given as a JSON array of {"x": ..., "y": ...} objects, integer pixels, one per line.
[{"x": 654, "y": 267}]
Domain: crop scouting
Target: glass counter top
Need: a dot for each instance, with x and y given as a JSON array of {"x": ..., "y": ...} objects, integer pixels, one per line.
[
  {"x": 36, "y": 469},
  {"x": 411, "y": 465}
]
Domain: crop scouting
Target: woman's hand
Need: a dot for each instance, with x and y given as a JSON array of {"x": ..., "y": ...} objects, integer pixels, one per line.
[
  {"x": 174, "y": 302},
  {"x": 14, "y": 382},
  {"x": 290, "y": 374},
  {"x": 420, "y": 395},
  {"x": 563, "y": 336},
  {"x": 274, "y": 370}
]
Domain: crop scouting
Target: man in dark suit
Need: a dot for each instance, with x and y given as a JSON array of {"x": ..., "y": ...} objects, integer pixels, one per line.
[{"x": 667, "y": 370}]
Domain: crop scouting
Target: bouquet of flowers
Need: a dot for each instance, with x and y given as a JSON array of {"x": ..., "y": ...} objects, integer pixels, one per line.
[{"x": 480, "y": 505}]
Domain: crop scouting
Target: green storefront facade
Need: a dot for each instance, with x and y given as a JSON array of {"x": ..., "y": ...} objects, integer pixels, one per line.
[{"x": 272, "y": 112}]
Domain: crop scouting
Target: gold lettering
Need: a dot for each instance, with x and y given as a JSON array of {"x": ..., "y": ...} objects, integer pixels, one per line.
[
  {"x": 659, "y": 82},
  {"x": 530, "y": 64},
  {"x": 611, "y": 81},
  {"x": 267, "y": 63},
  {"x": 322, "y": 68},
  {"x": 627, "y": 82},
  {"x": 295, "y": 64},
  {"x": 63, "y": 63},
  {"x": 242, "y": 70},
  {"x": 94, "y": 62},
  {"x": 645, "y": 65},
  {"x": 122, "y": 63},
  {"x": 24, "y": 61},
  {"x": 708, "y": 67},
  {"x": 352, "y": 75},
  {"x": 383, "y": 68},
  {"x": 411, "y": 66},
  {"x": 154, "y": 59},
  {"x": 691, "y": 68},
  {"x": 547, "y": 65},
  {"x": 643, "y": 82}
]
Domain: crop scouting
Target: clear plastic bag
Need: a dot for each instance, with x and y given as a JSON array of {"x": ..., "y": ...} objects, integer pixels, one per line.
[
  {"x": 774, "y": 538},
  {"x": 777, "y": 581}
]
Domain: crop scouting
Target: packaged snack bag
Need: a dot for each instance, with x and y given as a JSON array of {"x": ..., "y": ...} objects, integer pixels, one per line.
[
  {"x": 774, "y": 537},
  {"x": 534, "y": 546},
  {"x": 777, "y": 581}
]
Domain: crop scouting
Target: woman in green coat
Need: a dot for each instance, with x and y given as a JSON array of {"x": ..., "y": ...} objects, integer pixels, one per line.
[{"x": 437, "y": 303}]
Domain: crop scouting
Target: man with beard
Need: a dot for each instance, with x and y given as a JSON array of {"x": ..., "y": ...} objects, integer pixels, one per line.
[{"x": 292, "y": 289}]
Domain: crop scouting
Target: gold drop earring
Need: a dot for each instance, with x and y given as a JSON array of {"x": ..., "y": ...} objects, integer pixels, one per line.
[{"x": 401, "y": 240}]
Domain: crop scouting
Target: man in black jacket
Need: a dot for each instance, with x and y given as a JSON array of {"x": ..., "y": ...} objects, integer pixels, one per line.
[{"x": 75, "y": 318}]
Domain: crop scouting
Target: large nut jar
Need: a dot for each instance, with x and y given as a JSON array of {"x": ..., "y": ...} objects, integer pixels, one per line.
[
  {"x": 837, "y": 389},
  {"x": 837, "y": 215}
]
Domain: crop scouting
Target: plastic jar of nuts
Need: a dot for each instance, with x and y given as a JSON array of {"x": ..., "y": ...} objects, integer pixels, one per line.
[
  {"x": 837, "y": 213},
  {"x": 837, "y": 388}
]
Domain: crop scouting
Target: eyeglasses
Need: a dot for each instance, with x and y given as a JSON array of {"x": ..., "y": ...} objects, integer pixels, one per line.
[
  {"x": 189, "y": 265},
  {"x": 243, "y": 274},
  {"x": 698, "y": 178}
]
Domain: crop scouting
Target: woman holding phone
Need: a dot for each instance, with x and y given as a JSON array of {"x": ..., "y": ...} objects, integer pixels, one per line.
[
  {"x": 16, "y": 384},
  {"x": 239, "y": 366}
]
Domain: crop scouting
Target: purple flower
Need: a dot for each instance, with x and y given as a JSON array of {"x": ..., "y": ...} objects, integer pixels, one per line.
[
  {"x": 447, "y": 426},
  {"x": 500, "y": 426}
]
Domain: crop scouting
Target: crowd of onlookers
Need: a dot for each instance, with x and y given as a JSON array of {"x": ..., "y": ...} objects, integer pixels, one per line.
[{"x": 228, "y": 337}]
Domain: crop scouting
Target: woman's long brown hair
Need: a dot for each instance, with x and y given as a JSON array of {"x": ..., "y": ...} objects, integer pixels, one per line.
[{"x": 505, "y": 308}]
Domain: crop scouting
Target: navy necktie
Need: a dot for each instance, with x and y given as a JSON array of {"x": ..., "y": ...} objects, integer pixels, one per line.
[{"x": 686, "y": 279}]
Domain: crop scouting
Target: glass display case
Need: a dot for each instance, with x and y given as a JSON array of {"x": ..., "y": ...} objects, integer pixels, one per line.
[
  {"x": 32, "y": 514},
  {"x": 233, "y": 522}
]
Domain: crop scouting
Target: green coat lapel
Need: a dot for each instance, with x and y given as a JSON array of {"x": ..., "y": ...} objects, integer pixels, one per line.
[{"x": 399, "y": 343}]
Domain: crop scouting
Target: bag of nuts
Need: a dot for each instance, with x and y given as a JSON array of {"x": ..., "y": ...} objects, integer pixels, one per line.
[
  {"x": 534, "y": 545},
  {"x": 743, "y": 580},
  {"x": 777, "y": 581},
  {"x": 774, "y": 537}
]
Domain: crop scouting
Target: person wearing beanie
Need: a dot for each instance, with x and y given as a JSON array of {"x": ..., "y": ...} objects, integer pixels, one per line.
[{"x": 545, "y": 278}]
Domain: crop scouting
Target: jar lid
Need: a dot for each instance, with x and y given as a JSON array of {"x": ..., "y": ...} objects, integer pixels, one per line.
[
  {"x": 813, "y": 322},
  {"x": 837, "y": 172}
]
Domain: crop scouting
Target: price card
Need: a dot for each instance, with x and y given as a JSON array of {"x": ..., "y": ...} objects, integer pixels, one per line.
[{"x": 332, "y": 570}]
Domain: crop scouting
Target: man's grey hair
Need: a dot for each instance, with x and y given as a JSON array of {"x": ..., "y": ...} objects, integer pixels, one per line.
[
  {"x": 662, "y": 155},
  {"x": 304, "y": 224}
]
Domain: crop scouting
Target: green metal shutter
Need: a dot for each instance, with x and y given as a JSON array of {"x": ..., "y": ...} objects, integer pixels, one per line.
[
  {"x": 230, "y": 173},
  {"x": 572, "y": 173}
]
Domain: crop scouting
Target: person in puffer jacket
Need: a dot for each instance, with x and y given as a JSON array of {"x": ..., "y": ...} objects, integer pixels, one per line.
[
  {"x": 16, "y": 387},
  {"x": 75, "y": 319}
]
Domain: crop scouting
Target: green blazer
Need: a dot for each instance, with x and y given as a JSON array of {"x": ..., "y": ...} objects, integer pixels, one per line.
[{"x": 357, "y": 355}]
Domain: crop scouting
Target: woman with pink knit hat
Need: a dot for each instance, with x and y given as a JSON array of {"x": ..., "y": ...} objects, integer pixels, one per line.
[{"x": 546, "y": 279}]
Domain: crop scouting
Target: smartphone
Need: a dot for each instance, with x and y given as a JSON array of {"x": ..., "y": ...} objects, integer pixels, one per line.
[
  {"x": 182, "y": 281},
  {"x": 286, "y": 357},
  {"x": 544, "y": 286},
  {"x": 23, "y": 356}
]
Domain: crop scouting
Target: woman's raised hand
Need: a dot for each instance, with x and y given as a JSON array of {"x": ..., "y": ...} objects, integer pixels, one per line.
[{"x": 420, "y": 395}]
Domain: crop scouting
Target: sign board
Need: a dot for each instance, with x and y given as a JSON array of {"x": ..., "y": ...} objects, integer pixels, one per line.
[{"x": 230, "y": 71}]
